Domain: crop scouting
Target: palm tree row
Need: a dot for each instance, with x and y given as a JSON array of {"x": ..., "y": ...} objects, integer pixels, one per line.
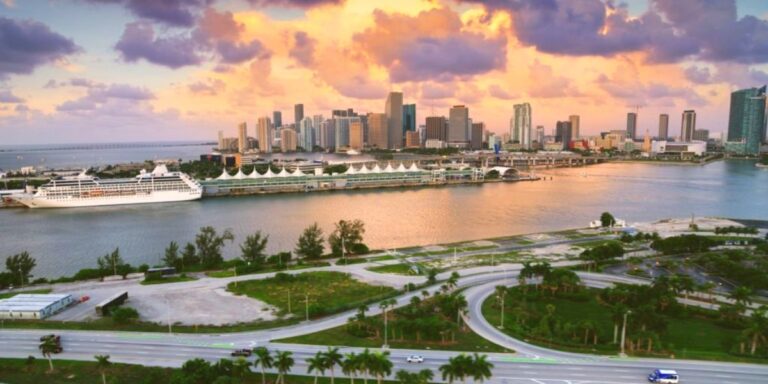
[
  {"x": 366, "y": 364},
  {"x": 462, "y": 367}
]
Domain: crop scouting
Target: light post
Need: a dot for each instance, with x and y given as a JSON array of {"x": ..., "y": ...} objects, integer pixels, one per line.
[
  {"x": 384, "y": 307},
  {"x": 168, "y": 311},
  {"x": 306, "y": 305},
  {"x": 624, "y": 333},
  {"x": 343, "y": 254},
  {"x": 504, "y": 293}
]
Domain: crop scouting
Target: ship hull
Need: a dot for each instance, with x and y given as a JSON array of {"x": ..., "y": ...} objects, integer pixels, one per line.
[{"x": 32, "y": 201}]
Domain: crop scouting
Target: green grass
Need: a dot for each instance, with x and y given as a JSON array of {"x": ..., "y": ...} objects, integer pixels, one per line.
[
  {"x": 382, "y": 258},
  {"x": 86, "y": 372},
  {"x": 397, "y": 269},
  {"x": 688, "y": 336},
  {"x": 351, "y": 260},
  {"x": 329, "y": 292},
  {"x": 168, "y": 280},
  {"x": 595, "y": 243},
  {"x": 293, "y": 267},
  {"x": 8, "y": 295},
  {"x": 465, "y": 341}
]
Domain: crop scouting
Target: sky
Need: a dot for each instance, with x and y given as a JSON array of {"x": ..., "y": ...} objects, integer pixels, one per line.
[{"x": 74, "y": 71}]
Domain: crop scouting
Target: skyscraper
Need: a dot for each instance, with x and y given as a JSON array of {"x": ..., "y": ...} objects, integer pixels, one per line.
[
  {"x": 437, "y": 128},
  {"x": 356, "y": 133},
  {"x": 327, "y": 134},
  {"x": 277, "y": 119},
  {"x": 378, "y": 137},
  {"x": 409, "y": 117},
  {"x": 520, "y": 126},
  {"x": 540, "y": 135},
  {"x": 264, "y": 134},
  {"x": 663, "y": 126},
  {"x": 476, "y": 141},
  {"x": 747, "y": 120},
  {"x": 458, "y": 119},
  {"x": 220, "y": 147},
  {"x": 298, "y": 114},
  {"x": 575, "y": 126},
  {"x": 342, "y": 131},
  {"x": 306, "y": 134},
  {"x": 394, "y": 111},
  {"x": 287, "y": 140},
  {"x": 242, "y": 137},
  {"x": 688, "y": 126},
  {"x": 631, "y": 125},
  {"x": 563, "y": 133}
]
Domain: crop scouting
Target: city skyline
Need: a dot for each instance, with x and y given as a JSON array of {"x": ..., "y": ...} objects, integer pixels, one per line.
[{"x": 193, "y": 70}]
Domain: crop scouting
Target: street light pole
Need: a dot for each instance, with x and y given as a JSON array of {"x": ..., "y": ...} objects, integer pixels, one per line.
[
  {"x": 624, "y": 333},
  {"x": 306, "y": 305},
  {"x": 168, "y": 309},
  {"x": 386, "y": 345}
]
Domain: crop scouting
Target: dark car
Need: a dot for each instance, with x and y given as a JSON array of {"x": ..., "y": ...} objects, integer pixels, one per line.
[
  {"x": 56, "y": 338},
  {"x": 241, "y": 352}
]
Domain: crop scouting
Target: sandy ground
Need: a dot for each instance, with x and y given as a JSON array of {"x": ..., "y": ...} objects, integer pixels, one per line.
[
  {"x": 674, "y": 227},
  {"x": 554, "y": 252}
]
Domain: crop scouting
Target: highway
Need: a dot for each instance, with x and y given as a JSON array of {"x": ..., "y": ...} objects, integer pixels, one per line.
[{"x": 530, "y": 364}]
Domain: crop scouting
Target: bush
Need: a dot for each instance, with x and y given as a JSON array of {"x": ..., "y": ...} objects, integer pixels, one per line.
[
  {"x": 359, "y": 249},
  {"x": 281, "y": 258},
  {"x": 143, "y": 268},
  {"x": 124, "y": 315},
  {"x": 87, "y": 274}
]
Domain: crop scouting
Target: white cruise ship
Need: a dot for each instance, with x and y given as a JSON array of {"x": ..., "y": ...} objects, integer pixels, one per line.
[{"x": 158, "y": 186}]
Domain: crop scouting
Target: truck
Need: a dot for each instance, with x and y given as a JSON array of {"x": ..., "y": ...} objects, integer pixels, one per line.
[{"x": 664, "y": 376}]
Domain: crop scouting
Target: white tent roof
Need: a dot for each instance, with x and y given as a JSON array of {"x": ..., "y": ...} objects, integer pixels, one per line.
[
  {"x": 401, "y": 168},
  {"x": 298, "y": 172},
  {"x": 240, "y": 175},
  {"x": 269, "y": 172},
  {"x": 364, "y": 169},
  {"x": 376, "y": 169},
  {"x": 224, "y": 175},
  {"x": 283, "y": 173},
  {"x": 254, "y": 174},
  {"x": 414, "y": 167},
  {"x": 350, "y": 170},
  {"x": 389, "y": 168}
]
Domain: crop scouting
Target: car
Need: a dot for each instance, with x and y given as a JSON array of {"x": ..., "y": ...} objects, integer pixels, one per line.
[
  {"x": 664, "y": 376},
  {"x": 241, "y": 352},
  {"x": 55, "y": 338},
  {"x": 415, "y": 359}
]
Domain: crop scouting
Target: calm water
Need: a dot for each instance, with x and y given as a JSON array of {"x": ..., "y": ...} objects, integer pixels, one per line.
[{"x": 66, "y": 240}]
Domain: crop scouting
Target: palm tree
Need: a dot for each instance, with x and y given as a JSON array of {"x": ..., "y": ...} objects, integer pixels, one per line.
[
  {"x": 742, "y": 295},
  {"x": 332, "y": 358},
  {"x": 425, "y": 376},
  {"x": 449, "y": 371},
  {"x": 47, "y": 347},
  {"x": 283, "y": 363},
  {"x": 316, "y": 364},
  {"x": 380, "y": 366},
  {"x": 757, "y": 330},
  {"x": 264, "y": 360},
  {"x": 385, "y": 305},
  {"x": 364, "y": 364},
  {"x": 102, "y": 362},
  {"x": 405, "y": 377},
  {"x": 453, "y": 281},
  {"x": 480, "y": 369},
  {"x": 350, "y": 366},
  {"x": 240, "y": 367},
  {"x": 501, "y": 292}
]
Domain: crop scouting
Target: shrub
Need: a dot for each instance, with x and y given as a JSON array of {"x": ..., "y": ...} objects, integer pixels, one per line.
[{"x": 124, "y": 315}]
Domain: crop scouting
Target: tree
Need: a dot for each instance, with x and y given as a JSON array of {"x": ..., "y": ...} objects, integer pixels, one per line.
[
  {"x": 456, "y": 368},
  {"x": 124, "y": 315},
  {"x": 742, "y": 296},
  {"x": 171, "y": 257},
  {"x": 380, "y": 365},
  {"x": 316, "y": 364},
  {"x": 209, "y": 244},
  {"x": 425, "y": 376},
  {"x": 189, "y": 256},
  {"x": 607, "y": 220},
  {"x": 349, "y": 235},
  {"x": 103, "y": 363},
  {"x": 310, "y": 243},
  {"x": 432, "y": 276},
  {"x": 501, "y": 292},
  {"x": 253, "y": 248},
  {"x": 283, "y": 362},
  {"x": 480, "y": 368},
  {"x": 20, "y": 265},
  {"x": 48, "y": 347},
  {"x": 351, "y": 365},
  {"x": 332, "y": 358},
  {"x": 110, "y": 263},
  {"x": 757, "y": 331},
  {"x": 264, "y": 360},
  {"x": 240, "y": 367}
]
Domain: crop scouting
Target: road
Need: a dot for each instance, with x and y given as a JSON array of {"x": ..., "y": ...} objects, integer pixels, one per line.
[{"x": 530, "y": 364}]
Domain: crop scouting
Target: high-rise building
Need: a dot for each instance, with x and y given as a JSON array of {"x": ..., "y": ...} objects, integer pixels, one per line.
[
  {"x": 342, "y": 131},
  {"x": 520, "y": 125},
  {"x": 277, "y": 120},
  {"x": 298, "y": 114},
  {"x": 747, "y": 120},
  {"x": 476, "y": 141},
  {"x": 563, "y": 133},
  {"x": 306, "y": 134},
  {"x": 220, "y": 147},
  {"x": 412, "y": 139},
  {"x": 663, "y": 126},
  {"x": 688, "y": 126},
  {"x": 327, "y": 134},
  {"x": 288, "y": 140},
  {"x": 458, "y": 120},
  {"x": 437, "y": 128},
  {"x": 409, "y": 117},
  {"x": 631, "y": 125},
  {"x": 393, "y": 108},
  {"x": 575, "y": 126},
  {"x": 540, "y": 134},
  {"x": 242, "y": 138},
  {"x": 378, "y": 136},
  {"x": 356, "y": 133},
  {"x": 701, "y": 134},
  {"x": 264, "y": 134}
]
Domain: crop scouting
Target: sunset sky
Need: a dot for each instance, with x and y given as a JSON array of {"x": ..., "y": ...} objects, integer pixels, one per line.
[{"x": 146, "y": 70}]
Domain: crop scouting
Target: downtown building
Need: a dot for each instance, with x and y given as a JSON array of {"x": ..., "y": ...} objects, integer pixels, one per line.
[
  {"x": 459, "y": 126},
  {"x": 520, "y": 125},
  {"x": 747, "y": 121},
  {"x": 631, "y": 125},
  {"x": 688, "y": 126},
  {"x": 264, "y": 134},
  {"x": 393, "y": 109}
]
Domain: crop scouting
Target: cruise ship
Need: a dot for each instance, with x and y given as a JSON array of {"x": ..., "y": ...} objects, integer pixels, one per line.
[{"x": 158, "y": 186}]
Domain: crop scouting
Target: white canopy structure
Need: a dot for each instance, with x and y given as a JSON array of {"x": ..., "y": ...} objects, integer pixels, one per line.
[
  {"x": 414, "y": 167},
  {"x": 254, "y": 174},
  {"x": 269, "y": 173},
  {"x": 224, "y": 175},
  {"x": 298, "y": 172},
  {"x": 364, "y": 169},
  {"x": 389, "y": 168},
  {"x": 351, "y": 170},
  {"x": 240, "y": 175},
  {"x": 283, "y": 173},
  {"x": 376, "y": 169},
  {"x": 401, "y": 168}
]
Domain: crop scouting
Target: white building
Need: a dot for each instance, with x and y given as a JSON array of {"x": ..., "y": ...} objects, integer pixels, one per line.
[
  {"x": 306, "y": 134},
  {"x": 668, "y": 147},
  {"x": 520, "y": 125},
  {"x": 435, "y": 144},
  {"x": 34, "y": 306}
]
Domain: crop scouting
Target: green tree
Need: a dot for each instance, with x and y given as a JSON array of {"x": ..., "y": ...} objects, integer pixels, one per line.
[
  {"x": 209, "y": 244},
  {"x": 171, "y": 257},
  {"x": 351, "y": 365},
  {"x": 425, "y": 376},
  {"x": 332, "y": 358},
  {"x": 110, "y": 263},
  {"x": 480, "y": 368},
  {"x": 262, "y": 360},
  {"x": 253, "y": 248},
  {"x": 348, "y": 234},
  {"x": 310, "y": 243},
  {"x": 457, "y": 368},
  {"x": 103, "y": 363},
  {"x": 189, "y": 256},
  {"x": 124, "y": 315},
  {"x": 20, "y": 266},
  {"x": 757, "y": 330},
  {"x": 742, "y": 296},
  {"x": 48, "y": 347},
  {"x": 607, "y": 220},
  {"x": 240, "y": 367},
  {"x": 316, "y": 364},
  {"x": 380, "y": 365},
  {"x": 283, "y": 363}
]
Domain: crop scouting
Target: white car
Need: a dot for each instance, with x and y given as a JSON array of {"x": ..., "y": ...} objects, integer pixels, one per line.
[{"x": 415, "y": 359}]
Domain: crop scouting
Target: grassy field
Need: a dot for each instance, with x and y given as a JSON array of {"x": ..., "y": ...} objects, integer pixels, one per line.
[
  {"x": 12, "y": 294},
  {"x": 168, "y": 280},
  {"x": 397, "y": 269},
  {"x": 692, "y": 337},
  {"x": 328, "y": 292},
  {"x": 85, "y": 372},
  {"x": 293, "y": 267},
  {"x": 465, "y": 341},
  {"x": 595, "y": 243}
]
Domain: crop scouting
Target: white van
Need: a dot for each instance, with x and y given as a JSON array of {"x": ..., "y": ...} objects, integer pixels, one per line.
[{"x": 664, "y": 376}]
